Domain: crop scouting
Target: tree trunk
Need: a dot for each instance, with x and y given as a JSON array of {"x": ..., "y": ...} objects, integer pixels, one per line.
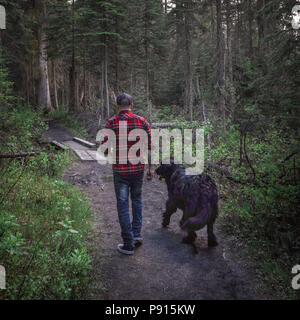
[
  {"x": 220, "y": 63},
  {"x": 250, "y": 19},
  {"x": 131, "y": 80},
  {"x": 201, "y": 100},
  {"x": 101, "y": 111},
  {"x": 106, "y": 82},
  {"x": 63, "y": 93},
  {"x": 229, "y": 41},
  {"x": 188, "y": 60},
  {"x": 43, "y": 88},
  {"x": 260, "y": 23},
  {"x": 230, "y": 102},
  {"x": 212, "y": 21},
  {"x": 54, "y": 84},
  {"x": 117, "y": 54},
  {"x": 146, "y": 18},
  {"x": 84, "y": 82},
  {"x": 73, "y": 100}
]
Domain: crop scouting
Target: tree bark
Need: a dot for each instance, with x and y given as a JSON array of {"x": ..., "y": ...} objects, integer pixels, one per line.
[
  {"x": 117, "y": 55},
  {"x": 250, "y": 19},
  {"x": 230, "y": 102},
  {"x": 73, "y": 95},
  {"x": 188, "y": 59},
  {"x": 106, "y": 82},
  {"x": 54, "y": 84},
  {"x": 43, "y": 87},
  {"x": 220, "y": 64},
  {"x": 84, "y": 82},
  {"x": 260, "y": 23},
  {"x": 202, "y": 102},
  {"x": 229, "y": 41},
  {"x": 146, "y": 33}
]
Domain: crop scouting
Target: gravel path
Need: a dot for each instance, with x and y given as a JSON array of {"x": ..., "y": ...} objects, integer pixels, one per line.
[{"x": 163, "y": 267}]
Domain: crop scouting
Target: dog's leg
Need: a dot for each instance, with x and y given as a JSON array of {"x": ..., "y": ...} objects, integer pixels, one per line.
[
  {"x": 189, "y": 211},
  {"x": 170, "y": 209},
  {"x": 184, "y": 218},
  {"x": 190, "y": 238},
  {"x": 212, "y": 240}
]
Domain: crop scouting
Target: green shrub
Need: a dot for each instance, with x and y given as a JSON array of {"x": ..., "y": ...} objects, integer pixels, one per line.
[
  {"x": 44, "y": 222},
  {"x": 165, "y": 113},
  {"x": 264, "y": 211},
  {"x": 43, "y": 227}
]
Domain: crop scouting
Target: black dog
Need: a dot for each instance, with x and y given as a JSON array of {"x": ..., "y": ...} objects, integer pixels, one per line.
[{"x": 195, "y": 195}]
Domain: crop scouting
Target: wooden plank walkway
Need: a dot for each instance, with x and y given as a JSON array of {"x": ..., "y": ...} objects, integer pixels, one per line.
[
  {"x": 60, "y": 145},
  {"x": 83, "y": 155},
  {"x": 84, "y": 142},
  {"x": 83, "y": 152}
]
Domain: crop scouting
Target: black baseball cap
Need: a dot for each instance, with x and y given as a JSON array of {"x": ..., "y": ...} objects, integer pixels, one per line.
[{"x": 124, "y": 99}]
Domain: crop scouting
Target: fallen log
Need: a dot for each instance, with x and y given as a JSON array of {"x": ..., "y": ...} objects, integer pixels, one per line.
[
  {"x": 19, "y": 155},
  {"x": 47, "y": 120},
  {"x": 84, "y": 142},
  {"x": 163, "y": 125}
]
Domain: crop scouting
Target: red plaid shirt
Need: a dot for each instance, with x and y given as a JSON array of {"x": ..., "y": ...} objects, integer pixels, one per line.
[{"x": 133, "y": 121}]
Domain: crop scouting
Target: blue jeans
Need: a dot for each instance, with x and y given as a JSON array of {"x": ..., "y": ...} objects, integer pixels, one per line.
[{"x": 123, "y": 185}]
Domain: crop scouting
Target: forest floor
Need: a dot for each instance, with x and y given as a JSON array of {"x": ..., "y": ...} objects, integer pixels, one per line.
[{"x": 163, "y": 267}]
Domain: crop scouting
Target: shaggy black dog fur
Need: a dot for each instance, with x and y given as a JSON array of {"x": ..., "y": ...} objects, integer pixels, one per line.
[{"x": 195, "y": 195}]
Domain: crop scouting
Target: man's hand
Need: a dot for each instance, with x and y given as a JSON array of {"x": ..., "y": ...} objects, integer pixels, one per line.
[{"x": 150, "y": 174}]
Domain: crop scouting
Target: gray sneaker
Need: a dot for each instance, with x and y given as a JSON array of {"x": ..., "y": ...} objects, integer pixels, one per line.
[{"x": 125, "y": 249}]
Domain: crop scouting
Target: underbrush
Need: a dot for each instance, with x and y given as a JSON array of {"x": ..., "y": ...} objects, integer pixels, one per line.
[
  {"x": 44, "y": 222},
  {"x": 261, "y": 203}
]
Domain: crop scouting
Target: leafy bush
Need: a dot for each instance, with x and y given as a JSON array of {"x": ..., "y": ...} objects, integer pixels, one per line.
[
  {"x": 43, "y": 226},
  {"x": 165, "y": 113},
  {"x": 262, "y": 207},
  {"x": 44, "y": 222}
]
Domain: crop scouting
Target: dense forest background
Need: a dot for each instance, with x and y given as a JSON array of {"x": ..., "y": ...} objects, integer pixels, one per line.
[
  {"x": 223, "y": 61},
  {"x": 228, "y": 66}
]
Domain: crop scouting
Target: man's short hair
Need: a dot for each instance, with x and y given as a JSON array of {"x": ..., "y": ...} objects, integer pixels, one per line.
[{"x": 124, "y": 99}]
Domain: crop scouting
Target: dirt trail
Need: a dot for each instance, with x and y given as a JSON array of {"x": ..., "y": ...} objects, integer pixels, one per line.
[{"x": 163, "y": 267}]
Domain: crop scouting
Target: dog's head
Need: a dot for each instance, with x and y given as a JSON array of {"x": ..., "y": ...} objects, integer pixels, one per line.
[{"x": 165, "y": 171}]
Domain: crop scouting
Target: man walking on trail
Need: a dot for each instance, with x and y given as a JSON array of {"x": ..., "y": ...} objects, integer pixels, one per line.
[{"x": 128, "y": 177}]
